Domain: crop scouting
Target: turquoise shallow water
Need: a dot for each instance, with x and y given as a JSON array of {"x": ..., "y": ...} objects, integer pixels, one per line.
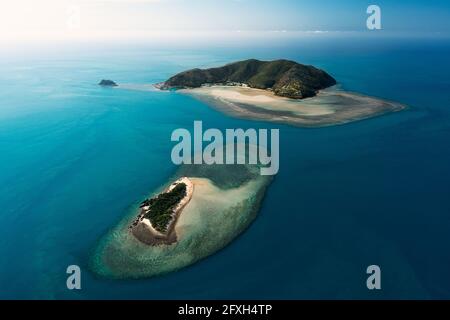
[{"x": 74, "y": 158}]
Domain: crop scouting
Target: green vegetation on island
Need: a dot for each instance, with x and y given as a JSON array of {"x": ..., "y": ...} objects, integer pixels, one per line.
[
  {"x": 285, "y": 78},
  {"x": 161, "y": 207}
]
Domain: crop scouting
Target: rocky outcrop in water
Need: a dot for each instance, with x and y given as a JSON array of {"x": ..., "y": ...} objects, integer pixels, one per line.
[{"x": 107, "y": 83}]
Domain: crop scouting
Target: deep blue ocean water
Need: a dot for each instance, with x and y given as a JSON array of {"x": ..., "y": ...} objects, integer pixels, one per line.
[{"x": 75, "y": 157}]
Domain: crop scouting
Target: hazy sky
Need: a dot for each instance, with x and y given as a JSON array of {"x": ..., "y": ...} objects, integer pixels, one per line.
[{"x": 24, "y": 20}]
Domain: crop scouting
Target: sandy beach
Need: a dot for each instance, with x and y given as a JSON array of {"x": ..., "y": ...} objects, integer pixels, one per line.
[
  {"x": 142, "y": 228},
  {"x": 329, "y": 107}
]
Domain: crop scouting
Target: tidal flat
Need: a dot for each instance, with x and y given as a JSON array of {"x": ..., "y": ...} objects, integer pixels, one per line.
[{"x": 330, "y": 106}]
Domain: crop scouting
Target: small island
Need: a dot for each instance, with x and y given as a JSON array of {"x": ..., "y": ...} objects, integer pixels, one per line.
[
  {"x": 280, "y": 91},
  {"x": 201, "y": 210},
  {"x": 107, "y": 83},
  {"x": 156, "y": 221}
]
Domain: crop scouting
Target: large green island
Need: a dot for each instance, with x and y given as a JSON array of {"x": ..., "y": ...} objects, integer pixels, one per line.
[
  {"x": 279, "y": 91},
  {"x": 285, "y": 78}
]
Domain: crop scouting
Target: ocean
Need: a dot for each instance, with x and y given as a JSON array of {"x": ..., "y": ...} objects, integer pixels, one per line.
[{"x": 75, "y": 157}]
